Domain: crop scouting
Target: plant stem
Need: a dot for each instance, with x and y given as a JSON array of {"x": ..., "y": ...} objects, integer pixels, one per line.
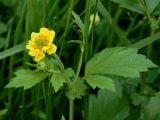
[
  {"x": 71, "y": 101},
  {"x": 93, "y": 28},
  {"x": 149, "y": 48},
  {"x": 80, "y": 63},
  {"x": 71, "y": 109},
  {"x": 86, "y": 30},
  {"x": 86, "y": 107},
  {"x": 149, "y": 51},
  {"x": 62, "y": 69}
]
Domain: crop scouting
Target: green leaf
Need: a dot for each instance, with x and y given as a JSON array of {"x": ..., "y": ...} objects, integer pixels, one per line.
[
  {"x": 3, "y": 28},
  {"x": 9, "y": 3},
  {"x": 3, "y": 112},
  {"x": 63, "y": 118},
  {"x": 77, "y": 90},
  {"x": 151, "y": 5},
  {"x": 78, "y": 21},
  {"x": 107, "y": 106},
  {"x": 132, "y": 5},
  {"x": 118, "y": 61},
  {"x": 100, "y": 82},
  {"x": 13, "y": 50},
  {"x": 138, "y": 99},
  {"x": 70, "y": 73},
  {"x": 57, "y": 81},
  {"x": 40, "y": 114},
  {"x": 153, "y": 107},
  {"x": 26, "y": 78},
  {"x": 76, "y": 41},
  {"x": 3, "y": 42},
  {"x": 142, "y": 43}
]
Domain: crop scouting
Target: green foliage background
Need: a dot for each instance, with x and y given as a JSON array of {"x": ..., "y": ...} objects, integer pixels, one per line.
[{"x": 127, "y": 23}]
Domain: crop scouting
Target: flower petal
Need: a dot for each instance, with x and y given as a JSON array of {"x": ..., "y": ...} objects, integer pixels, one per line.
[
  {"x": 29, "y": 47},
  {"x": 44, "y": 31},
  {"x": 51, "y": 36},
  {"x": 39, "y": 56},
  {"x": 32, "y": 53},
  {"x": 45, "y": 48},
  {"x": 52, "y": 49},
  {"x": 34, "y": 35}
]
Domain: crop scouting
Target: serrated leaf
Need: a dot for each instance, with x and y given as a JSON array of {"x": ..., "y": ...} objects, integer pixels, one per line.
[
  {"x": 57, "y": 81},
  {"x": 77, "y": 90},
  {"x": 70, "y": 73},
  {"x": 153, "y": 107},
  {"x": 107, "y": 106},
  {"x": 78, "y": 21},
  {"x": 100, "y": 82},
  {"x": 132, "y": 5},
  {"x": 26, "y": 78},
  {"x": 118, "y": 61}
]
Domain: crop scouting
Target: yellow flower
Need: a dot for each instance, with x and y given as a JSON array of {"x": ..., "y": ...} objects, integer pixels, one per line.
[{"x": 41, "y": 43}]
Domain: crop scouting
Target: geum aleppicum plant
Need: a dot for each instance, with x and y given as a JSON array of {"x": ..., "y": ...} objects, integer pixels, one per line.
[
  {"x": 48, "y": 65},
  {"x": 117, "y": 61}
]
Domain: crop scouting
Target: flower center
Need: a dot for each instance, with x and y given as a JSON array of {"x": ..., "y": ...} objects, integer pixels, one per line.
[{"x": 40, "y": 42}]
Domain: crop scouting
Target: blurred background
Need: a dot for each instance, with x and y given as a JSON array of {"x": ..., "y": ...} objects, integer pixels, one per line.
[{"x": 118, "y": 26}]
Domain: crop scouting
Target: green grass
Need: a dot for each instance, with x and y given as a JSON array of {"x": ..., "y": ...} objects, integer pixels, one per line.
[{"x": 118, "y": 26}]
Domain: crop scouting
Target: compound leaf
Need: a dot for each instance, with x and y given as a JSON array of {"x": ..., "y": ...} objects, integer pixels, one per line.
[
  {"x": 118, "y": 61},
  {"x": 26, "y": 78}
]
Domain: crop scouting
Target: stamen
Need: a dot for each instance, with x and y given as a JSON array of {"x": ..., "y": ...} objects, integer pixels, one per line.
[{"x": 40, "y": 42}]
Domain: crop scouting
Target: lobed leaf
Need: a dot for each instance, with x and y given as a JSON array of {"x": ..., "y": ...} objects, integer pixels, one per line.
[
  {"x": 100, "y": 82},
  {"x": 77, "y": 90},
  {"x": 57, "y": 81},
  {"x": 118, "y": 61},
  {"x": 26, "y": 78}
]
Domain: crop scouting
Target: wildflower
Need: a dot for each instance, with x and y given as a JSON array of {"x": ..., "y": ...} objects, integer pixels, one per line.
[{"x": 41, "y": 43}]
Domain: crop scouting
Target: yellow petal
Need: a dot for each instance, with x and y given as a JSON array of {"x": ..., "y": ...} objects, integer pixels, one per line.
[
  {"x": 34, "y": 35},
  {"x": 51, "y": 36},
  {"x": 29, "y": 47},
  {"x": 39, "y": 56},
  {"x": 32, "y": 53},
  {"x": 52, "y": 49},
  {"x": 45, "y": 48},
  {"x": 44, "y": 31}
]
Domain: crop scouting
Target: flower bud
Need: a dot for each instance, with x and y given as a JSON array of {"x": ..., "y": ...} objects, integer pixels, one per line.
[
  {"x": 41, "y": 65},
  {"x": 97, "y": 18}
]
